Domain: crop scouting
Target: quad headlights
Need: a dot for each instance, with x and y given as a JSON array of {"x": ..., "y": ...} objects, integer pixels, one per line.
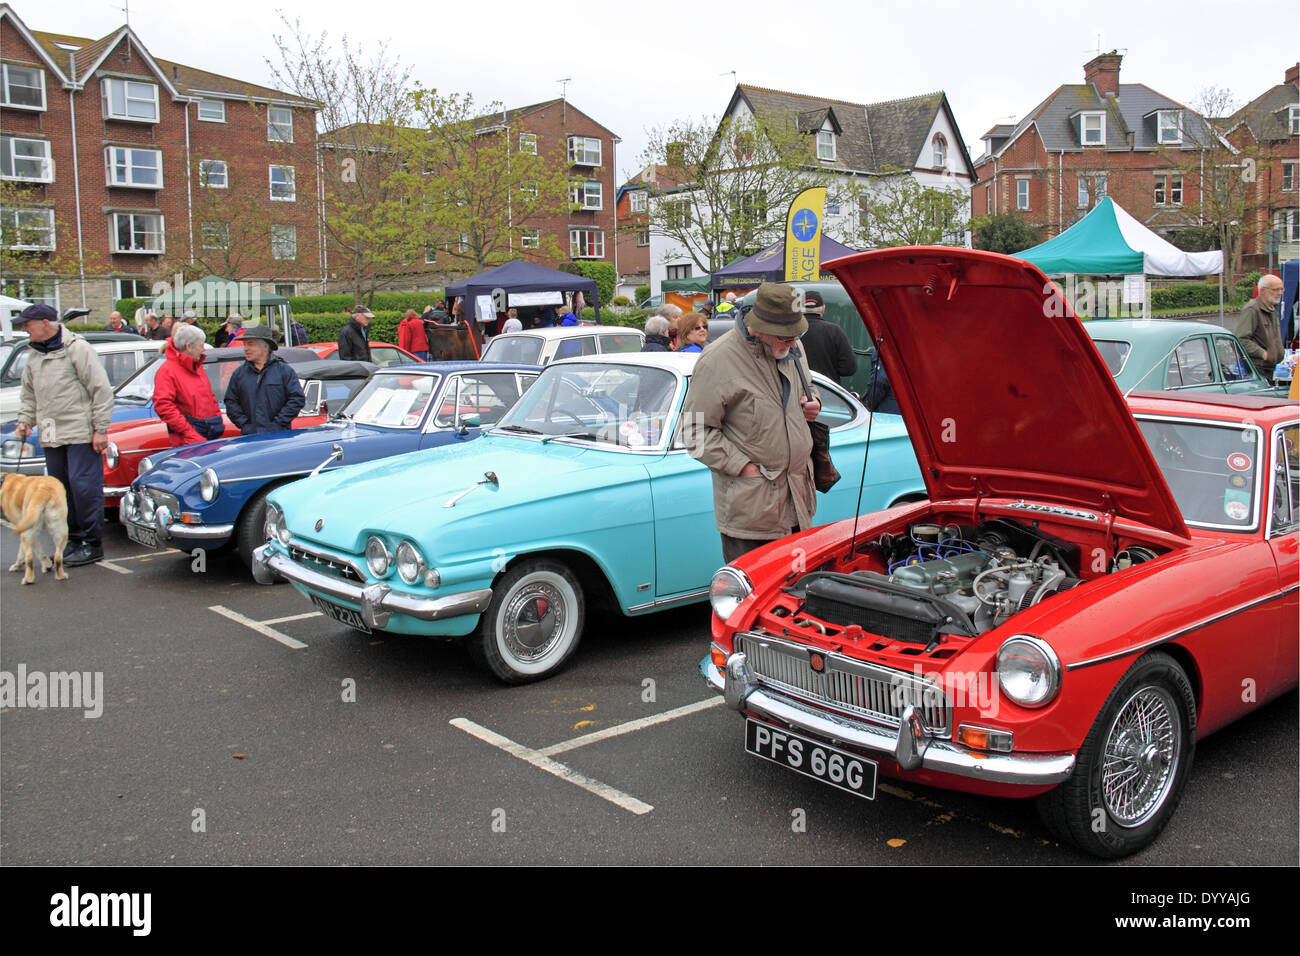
[
  {"x": 1029, "y": 672},
  {"x": 409, "y": 562},
  {"x": 275, "y": 529}
]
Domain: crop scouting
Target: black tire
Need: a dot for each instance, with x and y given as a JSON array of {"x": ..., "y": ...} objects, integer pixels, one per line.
[
  {"x": 533, "y": 623},
  {"x": 250, "y": 530},
  {"x": 1133, "y": 765}
]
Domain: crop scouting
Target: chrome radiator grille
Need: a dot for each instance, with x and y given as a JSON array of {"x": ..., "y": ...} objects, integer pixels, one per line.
[
  {"x": 878, "y": 694},
  {"x": 333, "y": 564}
]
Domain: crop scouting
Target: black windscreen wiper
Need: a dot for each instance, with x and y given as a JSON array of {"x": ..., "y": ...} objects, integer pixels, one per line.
[{"x": 518, "y": 428}]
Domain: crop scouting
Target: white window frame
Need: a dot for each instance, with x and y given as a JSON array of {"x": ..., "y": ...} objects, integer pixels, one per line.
[
  {"x": 207, "y": 167},
  {"x": 208, "y": 103},
  {"x": 120, "y": 163},
  {"x": 1084, "y": 191},
  {"x": 1022, "y": 193},
  {"x": 160, "y": 231},
  {"x": 46, "y": 161},
  {"x": 288, "y": 289},
  {"x": 6, "y": 99},
  {"x": 291, "y": 181},
  {"x": 939, "y": 151},
  {"x": 1290, "y": 171},
  {"x": 582, "y": 246},
  {"x": 1293, "y": 118},
  {"x": 826, "y": 145},
  {"x": 35, "y": 291},
  {"x": 528, "y": 143},
  {"x": 9, "y": 217},
  {"x": 276, "y": 131},
  {"x": 217, "y": 232},
  {"x": 678, "y": 272},
  {"x": 587, "y": 194},
  {"x": 637, "y": 201},
  {"x": 1169, "y": 189},
  {"x": 643, "y": 237},
  {"x": 127, "y": 99},
  {"x": 140, "y": 288},
  {"x": 529, "y": 188},
  {"x": 580, "y": 150},
  {"x": 1288, "y": 222},
  {"x": 1163, "y": 126},
  {"x": 283, "y": 239},
  {"x": 530, "y": 238},
  {"x": 1100, "y": 131}
]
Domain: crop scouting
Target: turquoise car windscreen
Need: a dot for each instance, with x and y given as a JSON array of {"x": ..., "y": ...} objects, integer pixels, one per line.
[{"x": 623, "y": 405}]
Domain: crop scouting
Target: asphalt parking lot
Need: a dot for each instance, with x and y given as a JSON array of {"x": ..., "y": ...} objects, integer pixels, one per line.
[{"x": 238, "y": 726}]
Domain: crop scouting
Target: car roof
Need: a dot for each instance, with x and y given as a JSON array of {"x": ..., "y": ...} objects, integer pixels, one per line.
[
  {"x": 564, "y": 331},
  {"x": 292, "y": 355},
  {"x": 327, "y": 369},
  {"x": 1213, "y": 405},
  {"x": 680, "y": 362},
  {"x": 1162, "y": 329}
]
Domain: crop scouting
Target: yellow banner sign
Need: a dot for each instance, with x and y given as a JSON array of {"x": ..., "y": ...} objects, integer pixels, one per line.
[{"x": 803, "y": 236}]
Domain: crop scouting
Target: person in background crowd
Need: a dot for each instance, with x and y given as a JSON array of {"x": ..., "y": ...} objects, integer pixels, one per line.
[
  {"x": 354, "y": 337},
  {"x": 656, "y": 335},
  {"x": 746, "y": 417},
  {"x": 230, "y": 331},
  {"x": 66, "y": 390},
  {"x": 512, "y": 323},
  {"x": 1258, "y": 328},
  {"x": 670, "y": 313},
  {"x": 726, "y": 305},
  {"x": 160, "y": 328},
  {"x": 182, "y": 394},
  {"x": 567, "y": 317},
  {"x": 692, "y": 332},
  {"x": 264, "y": 394},
  {"x": 117, "y": 324},
  {"x": 190, "y": 317},
  {"x": 826, "y": 344},
  {"x": 546, "y": 317},
  {"x": 705, "y": 309},
  {"x": 297, "y": 333},
  {"x": 410, "y": 336}
]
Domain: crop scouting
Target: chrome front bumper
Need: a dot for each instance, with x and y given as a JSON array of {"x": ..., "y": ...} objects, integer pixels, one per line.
[
  {"x": 166, "y": 526},
  {"x": 910, "y": 746},
  {"x": 377, "y": 601},
  {"x": 28, "y": 466}
]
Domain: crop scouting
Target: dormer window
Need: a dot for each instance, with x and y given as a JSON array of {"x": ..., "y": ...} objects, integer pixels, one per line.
[
  {"x": 22, "y": 87},
  {"x": 130, "y": 100},
  {"x": 1293, "y": 118},
  {"x": 939, "y": 146},
  {"x": 826, "y": 144},
  {"x": 1169, "y": 126},
  {"x": 1092, "y": 129}
]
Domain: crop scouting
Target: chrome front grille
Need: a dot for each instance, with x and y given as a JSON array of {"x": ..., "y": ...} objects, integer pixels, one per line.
[
  {"x": 878, "y": 694},
  {"x": 334, "y": 564}
]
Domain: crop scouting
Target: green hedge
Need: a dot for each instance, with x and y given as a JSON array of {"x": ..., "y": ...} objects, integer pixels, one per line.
[
  {"x": 630, "y": 319},
  {"x": 1186, "y": 296},
  {"x": 323, "y": 304},
  {"x": 642, "y": 293}
]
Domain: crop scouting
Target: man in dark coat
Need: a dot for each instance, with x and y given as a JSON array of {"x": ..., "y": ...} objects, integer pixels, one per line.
[
  {"x": 264, "y": 394},
  {"x": 354, "y": 339},
  {"x": 825, "y": 343},
  {"x": 656, "y": 335}
]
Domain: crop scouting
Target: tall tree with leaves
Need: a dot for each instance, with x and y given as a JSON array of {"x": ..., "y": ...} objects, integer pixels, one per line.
[
  {"x": 896, "y": 210},
  {"x": 37, "y": 248},
  {"x": 740, "y": 174}
]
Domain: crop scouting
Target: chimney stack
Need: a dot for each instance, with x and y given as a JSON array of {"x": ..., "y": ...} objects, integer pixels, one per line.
[
  {"x": 1103, "y": 73},
  {"x": 1292, "y": 75}
]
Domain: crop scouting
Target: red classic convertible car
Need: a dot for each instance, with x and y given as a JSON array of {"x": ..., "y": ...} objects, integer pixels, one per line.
[{"x": 1090, "y": 589}]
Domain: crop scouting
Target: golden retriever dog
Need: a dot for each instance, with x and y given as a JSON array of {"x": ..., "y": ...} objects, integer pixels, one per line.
[{"x": 28, "y": 502}]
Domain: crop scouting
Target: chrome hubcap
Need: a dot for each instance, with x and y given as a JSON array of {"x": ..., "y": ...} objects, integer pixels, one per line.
[
  {"x": 1142, "y": 750},
  {"x": 535, "y": 620}
]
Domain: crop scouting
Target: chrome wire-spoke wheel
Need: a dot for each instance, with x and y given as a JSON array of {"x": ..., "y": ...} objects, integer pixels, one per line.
[{"x": 1141, "y": 754}]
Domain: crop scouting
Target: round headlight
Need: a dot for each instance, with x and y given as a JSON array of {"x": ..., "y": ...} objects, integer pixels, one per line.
[
  {"x": 14, "y": 448},
  {"x": 144, "y": 468},
  {"x": 1029, "y": 671},
  {"x": 209, "y": 485},
  {"x": 146, "y": 507},
  {"x": 111, "y": 456},
  {"x": 378, "y": 560},
  {"x": 410, "y": 566},
  {"x": 274, "y": 528},
  {"x": 728, "y": 588}
]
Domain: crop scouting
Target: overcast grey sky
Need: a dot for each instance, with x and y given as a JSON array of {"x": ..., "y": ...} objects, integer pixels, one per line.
[{"x": 634, "y": 66}]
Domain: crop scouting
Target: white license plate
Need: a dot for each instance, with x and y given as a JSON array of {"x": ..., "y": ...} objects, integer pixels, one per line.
[
  {"x": 830, "y": 765},
  {"x": 143, "y": 536},
  {"x": 344, "y": 615}
]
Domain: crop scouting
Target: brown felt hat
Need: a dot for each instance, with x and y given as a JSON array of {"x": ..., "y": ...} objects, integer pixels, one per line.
[{"x": 778, "y": 310}]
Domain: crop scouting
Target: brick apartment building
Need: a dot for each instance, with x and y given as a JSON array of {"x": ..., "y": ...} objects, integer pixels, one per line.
[
  {"x": 1268, "y": 129},
  {"x": 633, "y": 233},
  {"x": 1086, "y": 141},
  {"x": 116, "y": 166},
  {"x": 583, "y": 229}
]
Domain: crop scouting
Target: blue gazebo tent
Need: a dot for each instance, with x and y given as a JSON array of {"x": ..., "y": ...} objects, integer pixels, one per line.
[
  {"x": 518, "y": 276},
  {"x": 768, "y": 265}
]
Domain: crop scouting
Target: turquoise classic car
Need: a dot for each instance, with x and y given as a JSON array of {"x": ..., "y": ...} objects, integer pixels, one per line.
[
  {"x": 582, "y": 491},
  {"x": 1160, "y": 354}
]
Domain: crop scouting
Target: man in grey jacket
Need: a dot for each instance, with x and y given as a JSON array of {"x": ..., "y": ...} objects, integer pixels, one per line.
[
  {"x": 746, "y": 417},
  {"x": 65, "y": 391},
  {"x": 1258, "y": 327}
]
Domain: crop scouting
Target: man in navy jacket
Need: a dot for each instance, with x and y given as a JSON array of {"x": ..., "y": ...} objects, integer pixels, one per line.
[{"x": 264, "y": 394}]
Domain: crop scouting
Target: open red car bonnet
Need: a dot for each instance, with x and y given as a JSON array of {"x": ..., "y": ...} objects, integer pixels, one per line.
[{"x": 1001, "y": 388}]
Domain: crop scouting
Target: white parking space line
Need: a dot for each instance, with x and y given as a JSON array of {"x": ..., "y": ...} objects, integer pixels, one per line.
[
  {"x": 113, "y": 563},
  {"x": 630, "y": 727},
  {"x": 113, "y": 567},
  {"x": 542, "y": 762},
  {"x": 259, "y": 626},
  {"x": 293, "y": 617}
]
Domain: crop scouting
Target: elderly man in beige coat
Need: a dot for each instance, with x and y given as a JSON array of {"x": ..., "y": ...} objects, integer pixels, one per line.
[
  {"x": 66, "y": 393},
  {"x": 746, "y": 417}
]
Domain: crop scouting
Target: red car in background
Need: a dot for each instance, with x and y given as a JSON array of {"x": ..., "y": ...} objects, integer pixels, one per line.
[
  {"x": 383, "y": 354},
  {"x": 324, "y": 384},
  {"x": 1090, "y": 589}
]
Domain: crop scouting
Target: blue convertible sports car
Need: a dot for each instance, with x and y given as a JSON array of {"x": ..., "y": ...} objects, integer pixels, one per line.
[
  {"x": 205, "y": 495},
  {"x": 583, "y": 490}
]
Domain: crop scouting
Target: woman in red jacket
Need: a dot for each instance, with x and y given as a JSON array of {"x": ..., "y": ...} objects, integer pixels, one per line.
[
  {"x": 410, "y": 336},
  {"x": 182, "y": 396}
]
